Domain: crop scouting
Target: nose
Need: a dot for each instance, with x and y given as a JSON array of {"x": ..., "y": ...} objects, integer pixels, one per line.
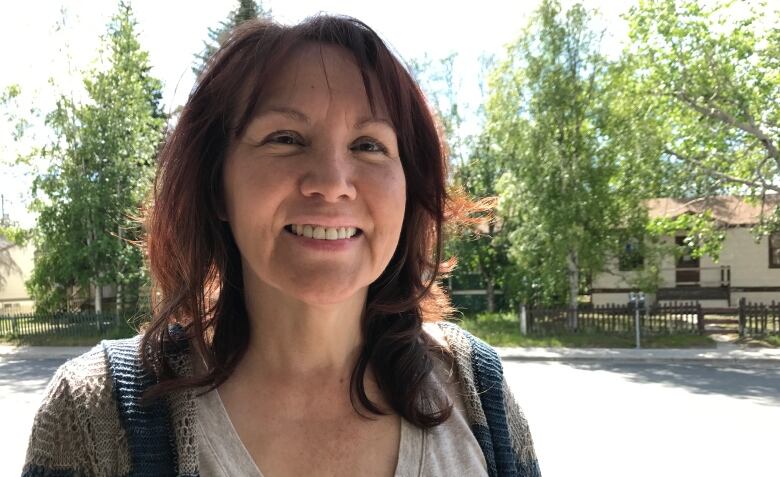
[{"x": 330, "y": 176}]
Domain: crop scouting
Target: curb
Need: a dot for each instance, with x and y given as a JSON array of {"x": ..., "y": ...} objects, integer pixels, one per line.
[
  {"x": 765, "y": 355},
  {"x": 42, "y": 352}
]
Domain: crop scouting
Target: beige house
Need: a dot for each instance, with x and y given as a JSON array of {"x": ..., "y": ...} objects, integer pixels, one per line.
[
  {"x": 746, "y": 268},
  {"x": 16, "y": 264}
]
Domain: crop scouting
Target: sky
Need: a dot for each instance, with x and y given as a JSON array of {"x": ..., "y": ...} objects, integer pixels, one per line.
[{"x": 49, "y": 43}]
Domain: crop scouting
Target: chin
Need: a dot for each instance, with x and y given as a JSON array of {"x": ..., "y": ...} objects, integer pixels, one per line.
[{"x": 323, "y": 295}]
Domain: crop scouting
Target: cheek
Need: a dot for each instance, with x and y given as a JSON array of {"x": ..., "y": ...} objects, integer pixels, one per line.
[{"x": 390, "y": 200}]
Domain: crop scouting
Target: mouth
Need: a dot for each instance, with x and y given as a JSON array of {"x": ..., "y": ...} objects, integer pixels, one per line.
[{"x": 318, "y": 232}]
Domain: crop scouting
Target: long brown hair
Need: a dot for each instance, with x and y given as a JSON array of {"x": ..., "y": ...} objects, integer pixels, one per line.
[{"x": 196, "y": 264}]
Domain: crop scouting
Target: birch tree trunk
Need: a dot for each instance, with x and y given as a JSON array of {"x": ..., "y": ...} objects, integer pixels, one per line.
[
  {"x": 574, "y": 282},
  {"x": 490, "y": 295}
]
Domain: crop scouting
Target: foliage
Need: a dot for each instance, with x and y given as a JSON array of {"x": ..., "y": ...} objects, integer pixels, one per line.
[
  {"x": 704, "y": 85},
  {"x": 482, "y": 248},
  {"x": 437, "y": 79},
  {"x": 479, "y": 246},
  {"x": 565, "y": 198},
  {"x": 100, "y": 168},
  {"x": 14, "y": 234},
  {"x": 9, "y": 102},
  {"x": 246, "y": 10}
]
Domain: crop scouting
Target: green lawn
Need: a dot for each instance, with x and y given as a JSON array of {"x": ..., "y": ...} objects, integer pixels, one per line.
[
  {"x": 503, "y": 329},
  {"x": 87, "y": 339}
]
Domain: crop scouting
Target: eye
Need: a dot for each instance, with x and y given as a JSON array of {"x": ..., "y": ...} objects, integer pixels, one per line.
[
  {"x": 284, "y": 138},
  {"x": 367, "y": 144}
]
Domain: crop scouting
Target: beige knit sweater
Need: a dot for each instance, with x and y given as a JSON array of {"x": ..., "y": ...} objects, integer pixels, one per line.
[{"x": 78, "y": 430}]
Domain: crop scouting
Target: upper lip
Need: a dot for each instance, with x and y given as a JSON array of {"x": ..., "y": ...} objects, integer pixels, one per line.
[{"x": 331, "y": 222}]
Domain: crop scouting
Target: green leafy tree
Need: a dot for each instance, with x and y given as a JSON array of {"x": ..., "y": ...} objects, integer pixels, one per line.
[
  {"x": 705, "y": 83},
  {"x": 563, "y": 198},
  {"x": 101, "y": 165},
  {"x": 479, "y": 246},
  {"x": 246, "y": 10},
  {"x": 482, "y": 247}
]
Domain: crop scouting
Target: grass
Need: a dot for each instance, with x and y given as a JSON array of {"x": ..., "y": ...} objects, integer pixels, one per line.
[
  {"x": 87, "y": 339},
  {"x": 503, "y": 329},
  {"x": 760, "y": 341}
]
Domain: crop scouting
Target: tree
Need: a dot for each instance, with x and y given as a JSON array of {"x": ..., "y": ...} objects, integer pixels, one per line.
[
  {"x": 101, "y": 165},
  {"x": 479, "y": 245},
  {"x": 707, "y": 83},
  {"x": 563, "y": 198},
  {"x": 246, "y": 10},
  {"x": 482, "y": 247}
]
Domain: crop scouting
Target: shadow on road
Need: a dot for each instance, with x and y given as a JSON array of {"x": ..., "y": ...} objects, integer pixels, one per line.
[
  {"x": 27, "y": 375},
  {"x": 759, "y": 382}
]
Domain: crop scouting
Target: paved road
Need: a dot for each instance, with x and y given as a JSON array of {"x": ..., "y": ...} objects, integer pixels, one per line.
[
  {"x": 22, "y": 382},
  {"x": 608, "y": 419},
  {"x": 588, "y": 418}
]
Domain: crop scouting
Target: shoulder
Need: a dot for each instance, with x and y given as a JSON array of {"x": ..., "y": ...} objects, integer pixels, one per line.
[
  {"x": 464, "y": 346},
  {"x": 85, "y": 377},
  {"x": 497, "y": 421},
  {"x": 77, "y": 416}
]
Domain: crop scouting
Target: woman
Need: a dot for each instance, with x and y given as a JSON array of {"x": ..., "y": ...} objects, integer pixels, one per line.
[{"x": 295, "y": 241}]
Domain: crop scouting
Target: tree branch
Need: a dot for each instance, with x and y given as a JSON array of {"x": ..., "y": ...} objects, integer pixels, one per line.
[
  {"x": 750, "y": 127},
  {"x": 713, "y": 173}
]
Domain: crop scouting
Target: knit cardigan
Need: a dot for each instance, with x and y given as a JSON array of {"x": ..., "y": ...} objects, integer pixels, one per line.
[{"x": 91, "y": 423}]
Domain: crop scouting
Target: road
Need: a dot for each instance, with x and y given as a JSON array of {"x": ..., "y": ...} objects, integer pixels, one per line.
[
  {"x": 609, "y": 419},
  {"x": 22, "y": 383},
  {"x": 588, "y": 418}
]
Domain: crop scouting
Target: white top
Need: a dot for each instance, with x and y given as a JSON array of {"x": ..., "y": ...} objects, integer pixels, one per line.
[{"x": 447, "y": 449}]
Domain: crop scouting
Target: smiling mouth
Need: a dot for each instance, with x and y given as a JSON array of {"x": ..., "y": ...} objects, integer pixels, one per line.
[{"x": 323, "y": 233}]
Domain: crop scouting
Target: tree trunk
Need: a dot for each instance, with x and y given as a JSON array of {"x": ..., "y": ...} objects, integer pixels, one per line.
[
  {"x": 119, "y": 305},
  {"x": 574, "y": 287},
  {"x": 98, "y": 297},
  {"x": 490, "y": 295}
]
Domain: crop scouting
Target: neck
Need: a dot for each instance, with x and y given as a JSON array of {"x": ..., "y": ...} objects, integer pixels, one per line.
[{"x": 294, "y": 341}]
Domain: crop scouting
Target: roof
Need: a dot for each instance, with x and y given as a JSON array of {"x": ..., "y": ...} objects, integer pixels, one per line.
[{"x": 730, "y": 210}]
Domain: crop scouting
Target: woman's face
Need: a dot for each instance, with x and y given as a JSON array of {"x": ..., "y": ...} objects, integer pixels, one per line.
[{"x": 312, "y": 166}]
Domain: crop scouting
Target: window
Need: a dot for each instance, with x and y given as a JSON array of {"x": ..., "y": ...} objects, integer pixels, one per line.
[
  {"x": 774, "y": 250},
  {"x": 631, "y": 257}
]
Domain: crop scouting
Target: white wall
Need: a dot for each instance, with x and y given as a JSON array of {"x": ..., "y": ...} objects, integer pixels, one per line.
[
  {"x": 748, "y": 260},
  {"x": 16, "y": 269}
]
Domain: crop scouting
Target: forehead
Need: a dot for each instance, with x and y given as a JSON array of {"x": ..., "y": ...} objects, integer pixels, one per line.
[{"x": 311, "y": 70}]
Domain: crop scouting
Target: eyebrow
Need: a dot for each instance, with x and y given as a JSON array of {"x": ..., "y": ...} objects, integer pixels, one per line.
[{"x": 296, "y": 115}]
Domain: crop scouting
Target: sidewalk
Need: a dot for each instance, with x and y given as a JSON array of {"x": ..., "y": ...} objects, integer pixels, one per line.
[
  {"x": 41, "y": 352},
  {"x": 720, "y": 354},
  {"x": 726, "y": 353}
]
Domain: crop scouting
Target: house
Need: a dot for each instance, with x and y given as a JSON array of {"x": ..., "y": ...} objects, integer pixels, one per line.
[
  {"x": 746, "y": 268},
  {"x": 16, "y": 264},
  {"x": 16, "y": 267}
]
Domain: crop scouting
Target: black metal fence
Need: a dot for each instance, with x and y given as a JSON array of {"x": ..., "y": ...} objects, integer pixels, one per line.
[
  {"x": 617, "y": 319},
  {"x": 759, "y": 319},
  {"x": 59, "y": 324}
]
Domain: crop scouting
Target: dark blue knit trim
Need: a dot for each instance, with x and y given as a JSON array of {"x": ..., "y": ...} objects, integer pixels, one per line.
[
  {"x": 41, "y": 471},
  {"x": 148, "y": 429},
  {"x": 495, "y": 440}
]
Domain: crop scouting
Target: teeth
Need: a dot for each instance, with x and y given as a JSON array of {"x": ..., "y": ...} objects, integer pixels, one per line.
[{"x": 323, "y": 233}]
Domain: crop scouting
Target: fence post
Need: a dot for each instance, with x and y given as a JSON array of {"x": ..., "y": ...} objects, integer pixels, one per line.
[
  {"x": 523, "y": 320},
  {"x": 699, "y": 318},
  {"x": 742, "y": 317}
]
